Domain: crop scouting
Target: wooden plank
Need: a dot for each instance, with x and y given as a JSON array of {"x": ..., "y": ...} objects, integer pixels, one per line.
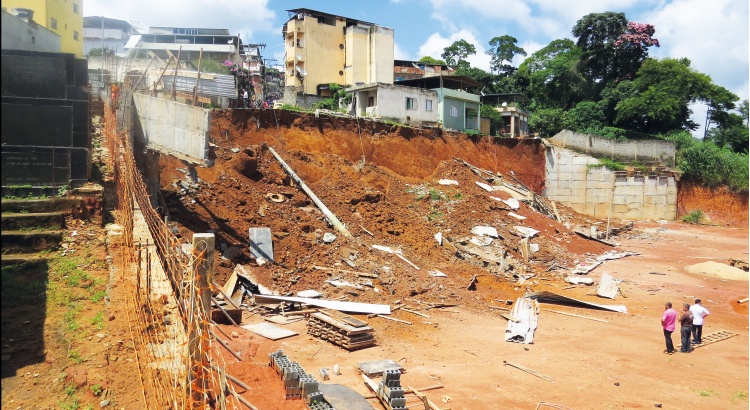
[
  {"x": 394, "y": 319},
  {"x": 529, "y": 371},
  {"x": 715, "y": 337},
  {"x": 377, "y": 367},
  {"x": 574, "y": 315},
  {"x": 415, "y": 313},
  {"x": 353, "y": 307},
  {"x": 424, "y": 398}
]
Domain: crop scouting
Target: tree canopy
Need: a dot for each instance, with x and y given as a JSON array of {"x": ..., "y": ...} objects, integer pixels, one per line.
[{"x": 455, "y": 55}]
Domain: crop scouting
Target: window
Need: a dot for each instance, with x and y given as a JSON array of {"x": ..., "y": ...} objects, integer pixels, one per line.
[
  {"x": 75, "y": 35},
  {"x": 411, "y": 103},
  {"x": 370, "y": 101},
  {"x": 454, "y": 111},
  {"x": 428, "y": 105},
  {"x": 75, "y": 8},
  {"x": 53, "y": 24}
]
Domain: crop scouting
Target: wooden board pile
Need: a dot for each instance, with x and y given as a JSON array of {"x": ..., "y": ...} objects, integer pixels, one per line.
[{"x": 345, "y": 331}]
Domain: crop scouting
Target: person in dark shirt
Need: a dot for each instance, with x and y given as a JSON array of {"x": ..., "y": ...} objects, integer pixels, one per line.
[{"x": 686, "y": 320}]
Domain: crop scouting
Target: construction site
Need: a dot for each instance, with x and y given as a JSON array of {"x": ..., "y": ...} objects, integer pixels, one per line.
[
  {"x": 186, "y": 254},
  {"x": 358, "y": 252}
]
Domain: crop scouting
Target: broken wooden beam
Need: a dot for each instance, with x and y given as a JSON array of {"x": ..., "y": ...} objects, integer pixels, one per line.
[
  {"x": 472, "y": 283},
  {"x": 529, "y": 371},
  {"x": 226, "y": 346},
  {"x": 574, "y": 315},
  {"x": 366, "y": 231},
  {"x": 424, "y": 398},
  {"x": 415, "y": 313},
  {"x": 394, "y": 319}
]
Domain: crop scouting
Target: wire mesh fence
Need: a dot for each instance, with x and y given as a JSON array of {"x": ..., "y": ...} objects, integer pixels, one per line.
[{"x": 169, "y": 307}]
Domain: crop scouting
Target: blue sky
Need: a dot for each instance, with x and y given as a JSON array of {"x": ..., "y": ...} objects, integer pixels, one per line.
[{"x": 712, "y": 34}]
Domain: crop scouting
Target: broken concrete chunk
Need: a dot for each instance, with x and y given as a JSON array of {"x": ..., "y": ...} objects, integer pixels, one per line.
[
  {"x": 481, "y": 240},
  {"x": 575, "y": 280},
  {"x": 486, "y": 187},
  {"x": 512, "y": 203},
  {"x": 261, "y": 244},
  {"x": 439, "y": 238},
  {"x": 534, "y": 247},
  {"x": 517, "y": 216},
  {"x": 235, "y": 150},
  {"x": 328, "y": 237},
  {"x": 447, "y": 182},
  {"x": 526, "y": 232},
  {"x": 309, "y": 294},
  {"x": 485, "y": 231},
  {"x": 436, "y": 273}
]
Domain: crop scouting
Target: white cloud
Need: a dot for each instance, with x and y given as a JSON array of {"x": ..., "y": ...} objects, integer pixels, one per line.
[
  {"x": 713, "y": 35},
  {"x": 447, "y": 11},
  {"x": 435, "y": 44},
  {"x": 246, "y": 17},
  {"x": 400, "y": 54}
]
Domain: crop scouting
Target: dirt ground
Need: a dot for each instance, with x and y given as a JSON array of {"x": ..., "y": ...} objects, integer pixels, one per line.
[
  {"x": 381, "y": 181},
  {"x": 384, "y": 181}
]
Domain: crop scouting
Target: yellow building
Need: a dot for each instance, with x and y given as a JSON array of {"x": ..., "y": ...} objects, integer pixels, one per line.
[
  {"x": 323, "y": 48},
  {"x": 63, "y": 17}
]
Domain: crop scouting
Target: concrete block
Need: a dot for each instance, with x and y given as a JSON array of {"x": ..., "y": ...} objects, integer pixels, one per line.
[
  {"x": 39, "y": 76},
  {"x": 43, "y": 125}
]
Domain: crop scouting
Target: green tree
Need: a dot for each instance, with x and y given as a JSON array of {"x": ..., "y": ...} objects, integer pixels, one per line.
[
  {"x": 496, "y": 119},
  {"x": 547, "y": 121},
  {"x": 613, "y": 49},
  {"x": 586, "y": 117},
  {"x": 552, "y": 75},
  {"x": 456, "y": 54},
  {"x": 661, "y": 95},
  {"x": 431, "y": 61},
  {"x": 503, "y": 49},
  {"x": 731, "y": 132}
]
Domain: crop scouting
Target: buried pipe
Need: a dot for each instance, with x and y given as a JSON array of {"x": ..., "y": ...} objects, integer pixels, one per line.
[{"x": 327, "y": 212}]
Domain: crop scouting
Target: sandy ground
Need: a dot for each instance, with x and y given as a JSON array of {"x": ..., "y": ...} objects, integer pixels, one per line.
[{"x": 595, "y": 365}]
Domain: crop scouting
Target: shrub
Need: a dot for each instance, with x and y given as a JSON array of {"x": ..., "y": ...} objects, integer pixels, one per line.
[{"x": 694, "y": 217}]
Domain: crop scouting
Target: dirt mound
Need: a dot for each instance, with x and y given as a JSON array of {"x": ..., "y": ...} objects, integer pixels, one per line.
[
  {"x": 382, "y": 183},
  {"x": 717, "y": 270}
]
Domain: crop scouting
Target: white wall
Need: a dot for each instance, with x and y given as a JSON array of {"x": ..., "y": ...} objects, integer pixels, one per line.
[
  {"x": 17, "y": 35},
  {"x": 643, "y": 151},
  {"x": 390, "y": 102},
  {"x": 590, "y": 190},
  {"x": 173, "y": 128}
]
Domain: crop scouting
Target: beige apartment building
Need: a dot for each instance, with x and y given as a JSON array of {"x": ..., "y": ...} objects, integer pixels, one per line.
[{"x": 323, "y": 49}]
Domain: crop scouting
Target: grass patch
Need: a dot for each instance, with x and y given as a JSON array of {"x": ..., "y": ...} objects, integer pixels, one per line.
[
  {"x": 98, "y": 321},
  {"x": 707, "y": 393},
  {"x": 610, "y": 164},
  {"x": 694, "y": 217},
  {"x": 96, "y": 390},
  {"x": 77, "y": 359},
  {"x": 435, "y": 215},
  {"x": 435, "y": 194},
  {"x": 98, "y": 295}
]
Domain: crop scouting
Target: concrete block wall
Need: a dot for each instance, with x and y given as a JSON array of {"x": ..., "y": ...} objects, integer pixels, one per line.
[
  {"x": 654, "y": 151},
  {"x": 589, "y": 190},
  {"x": 172, "y": 127},
  {"x": 45, "y": 121}
]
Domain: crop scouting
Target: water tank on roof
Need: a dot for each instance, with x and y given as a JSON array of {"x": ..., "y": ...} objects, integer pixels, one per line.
[{"x": 25, "y": 14}]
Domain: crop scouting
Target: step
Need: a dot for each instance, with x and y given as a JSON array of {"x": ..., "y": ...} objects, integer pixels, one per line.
[
  {"x": 39, "y": 205},
  {"x": 29, "y": 241},
  {"x": 44, "y": 220}
]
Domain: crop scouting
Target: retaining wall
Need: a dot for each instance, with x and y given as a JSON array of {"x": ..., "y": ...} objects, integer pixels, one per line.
[
  {"x": 172, "y": 127},
  {"x": 657, "y": 152},
  {"x": 595, "y": 190}
]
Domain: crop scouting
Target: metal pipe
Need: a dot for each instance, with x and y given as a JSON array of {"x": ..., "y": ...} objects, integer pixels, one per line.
[{"x": 327, "y": 212}]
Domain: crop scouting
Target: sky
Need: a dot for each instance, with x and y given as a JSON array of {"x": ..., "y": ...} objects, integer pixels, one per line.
[{"x": 712, "y": 34}]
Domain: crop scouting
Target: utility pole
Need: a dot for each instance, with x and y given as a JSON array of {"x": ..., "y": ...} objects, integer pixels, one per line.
[
  {"x": 101, "y": 55},
  {"x": 263, "y": 74}
]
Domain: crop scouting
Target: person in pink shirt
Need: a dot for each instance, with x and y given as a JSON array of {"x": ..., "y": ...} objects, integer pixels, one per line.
[{"x": 668, "y": 320}]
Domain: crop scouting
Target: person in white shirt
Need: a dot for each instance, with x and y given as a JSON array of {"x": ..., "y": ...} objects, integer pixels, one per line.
[{"x": 699, "y": 313}]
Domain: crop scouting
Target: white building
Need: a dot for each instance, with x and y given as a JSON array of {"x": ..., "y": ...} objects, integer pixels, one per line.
[
  {"x": 407, "y": 105},
  {"x": 105, "y": 33}
]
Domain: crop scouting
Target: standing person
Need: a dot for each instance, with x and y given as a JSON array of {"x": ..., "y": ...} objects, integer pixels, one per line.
[
  {"x": 265, "y": 104},
  {"x": 668, "y": 320},
  {"x": 245, "y": 99},
  {"x": 686, "y": 322},
  {"x": 699, "y": 313}
]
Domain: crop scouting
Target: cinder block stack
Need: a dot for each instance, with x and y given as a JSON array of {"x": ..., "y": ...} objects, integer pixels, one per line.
[
  {"x": 351, "y": 334},
  {"x": 390, "y": 391},
  {"x": 297, "y": 382}
]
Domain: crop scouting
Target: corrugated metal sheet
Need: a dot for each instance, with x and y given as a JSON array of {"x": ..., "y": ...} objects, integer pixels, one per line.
[
  {"x": 526, "y": 312},
  {"x": 549, "y": 297},
  {"x": 219, "y": 85},
  {"x": 608, "y": 286}
]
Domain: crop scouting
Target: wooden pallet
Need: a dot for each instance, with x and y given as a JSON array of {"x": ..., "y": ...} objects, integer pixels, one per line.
[{"x": 714, "y": 337}]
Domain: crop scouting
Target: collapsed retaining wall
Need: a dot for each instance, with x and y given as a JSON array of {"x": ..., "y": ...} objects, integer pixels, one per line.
[
  {"x": 657, "y": 152},
  {"x": 172, "y": 127},
  {"x": 595, "y": 190}
]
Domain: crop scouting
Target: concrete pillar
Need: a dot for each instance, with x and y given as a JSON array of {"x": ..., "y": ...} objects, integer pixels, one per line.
[{"x": 199, "y": 313}]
